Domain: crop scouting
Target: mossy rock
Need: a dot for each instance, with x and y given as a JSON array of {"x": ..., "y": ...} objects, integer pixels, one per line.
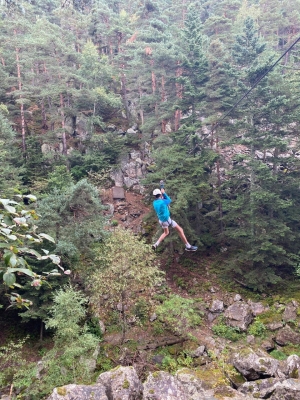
[
  {"x": 62, "y": 391},
  {"x": 234, "y": 376},
  {"x": 175, "y": 349},
  {"x": 212, "y": 376},
  {"x": 271, "y": 316}
]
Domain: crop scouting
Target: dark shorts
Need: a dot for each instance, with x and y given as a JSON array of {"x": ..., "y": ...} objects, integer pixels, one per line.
[{"x": 168, "y": 223}]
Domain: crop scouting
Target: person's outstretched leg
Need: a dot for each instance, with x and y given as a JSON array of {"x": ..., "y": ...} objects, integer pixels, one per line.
[
  {"x": 181, "y": 234},
  {"x": 161, "y": 238},
  {"x": 184, "y": 239}
]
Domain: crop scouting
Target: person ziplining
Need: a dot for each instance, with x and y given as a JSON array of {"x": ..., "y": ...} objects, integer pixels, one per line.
[{"x": 160, "y": 204}]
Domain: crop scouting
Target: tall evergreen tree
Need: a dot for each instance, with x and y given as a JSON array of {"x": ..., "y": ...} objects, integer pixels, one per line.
[{"x": 255, "y": 202}]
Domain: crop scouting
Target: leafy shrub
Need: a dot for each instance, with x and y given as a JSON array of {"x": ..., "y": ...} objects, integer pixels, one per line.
[
  {"x": 227, "y": 332},
  {"x": 257, "y": 328},
  {"x": 178, "y": 313},
  {"x": 11, "y": 361},
  {"x": 141, "y": 310}
]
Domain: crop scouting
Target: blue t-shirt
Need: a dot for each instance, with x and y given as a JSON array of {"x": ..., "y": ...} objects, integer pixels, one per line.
[{"x": 161, "y": 208}]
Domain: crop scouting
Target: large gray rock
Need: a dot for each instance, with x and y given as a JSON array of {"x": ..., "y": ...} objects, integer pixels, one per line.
[
  {"x": 291, "y": 367},
  {"x": 261, "y": 388},
  {"x": 255, "y": 366},
  {"x": 290, "y": 312},
  {"x": 217, "y": 306},
  {"x": 239, "y": 315},
  {"x": 121, "y": 383},
  {"x": 257, "y": 308},
  {"x": 79, "y": 392},
  {"x": 287, "y": 335},
  {"x": 164, "y": 386},
  {"x": 286, "y": 390}
]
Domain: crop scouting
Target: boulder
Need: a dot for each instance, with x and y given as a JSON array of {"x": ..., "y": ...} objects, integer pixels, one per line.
[
  {"x": 121, "y": 383},
  {"x": 257, "y": 308},
  {"x": 198, "y": 352},
  {"x": 287, "y": 335},
  {"x": 79, "y": 392},
  {"x": 268, "y": 345},
  {"x": 274, "y": 326},
  {"x": 163, "y": 386},
  {"x": 290, "y": 312},
  {"x": 255, "y": 366},
  {"x": 261, "y": 388},
  {"x": 217, "y": 306},
  {"x": 286, "y": 390},
  {"x": 291, "y": 367},
  {"x": 239, "y": 315},
  {"x": 237, "y": 297}
]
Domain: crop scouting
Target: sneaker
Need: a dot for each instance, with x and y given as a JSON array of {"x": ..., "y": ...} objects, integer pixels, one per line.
[
  {"x": 154, "y": 247},
  {"x": 192, "y": 248}
]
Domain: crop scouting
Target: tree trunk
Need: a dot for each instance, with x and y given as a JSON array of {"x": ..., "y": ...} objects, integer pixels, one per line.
[
  {"x": 124, "y": 90},
  {"x": 163, "y": 99},
  {"x": 64, "y": 138},
  {"x": 123, "y": 317},
  {"x": 179, "y": 96},
  {"x": 21, "y": 103},
  {"x": 41, "y": 331}
]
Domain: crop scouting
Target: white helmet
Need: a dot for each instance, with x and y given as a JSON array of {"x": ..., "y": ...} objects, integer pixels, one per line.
[{"x": 156, "y": 192}]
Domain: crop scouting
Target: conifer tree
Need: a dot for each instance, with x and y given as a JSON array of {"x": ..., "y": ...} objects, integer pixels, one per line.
[
  {"x": 255, "y": 202},
  {"x": 74, "y": 217}
]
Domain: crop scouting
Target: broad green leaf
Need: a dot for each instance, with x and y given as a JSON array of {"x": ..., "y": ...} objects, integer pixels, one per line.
[
  {"x": 29, "y": 251},
  {"x": 12, "y": 237},
  {"x": 10, "y": 209},
  {"x": 9, "y": 278},
  {"x": 25, "y": 271},
  {"x": 45, "y": 251},
  {"x": 55, "y": 259},
  {"x": 7, "y": 201},
  {"x": 30, "y": 197},
  {"x": 13, "y": 260},
  {"x": 7, "y": 256},
  {"x": 48, "y": 237},
  {"x": 21, "y": 221},
  {"x": 5, "y": 231}
]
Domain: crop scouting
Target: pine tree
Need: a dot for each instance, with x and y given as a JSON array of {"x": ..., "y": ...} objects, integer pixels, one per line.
[
  {"x": 254, "y": 197},
  {"x": 10, "y": 168},
  {"x": 74, "y": 217}
]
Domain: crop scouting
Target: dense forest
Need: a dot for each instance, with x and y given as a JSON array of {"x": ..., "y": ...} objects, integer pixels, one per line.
[{"x": 207, "y": 92}]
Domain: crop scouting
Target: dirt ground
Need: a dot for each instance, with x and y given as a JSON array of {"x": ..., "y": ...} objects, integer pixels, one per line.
[{"x": 128, "y": 212}]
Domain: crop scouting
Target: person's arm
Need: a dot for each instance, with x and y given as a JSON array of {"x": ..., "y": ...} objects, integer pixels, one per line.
[{"x": 166, "y": 198}]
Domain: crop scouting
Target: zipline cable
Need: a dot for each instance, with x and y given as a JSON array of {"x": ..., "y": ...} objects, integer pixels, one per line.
[
  {"x": 248, "y": 91},
  {"x": 255, "y": 84}
]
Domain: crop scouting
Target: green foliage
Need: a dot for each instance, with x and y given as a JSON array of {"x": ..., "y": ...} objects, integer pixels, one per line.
[
  {"x": 12, "y": 361},
  {"x": 74, "y": 217},
  {"x": 126, "y": 266},
  {"x": 10, "y": 157},
  {"x": 69, "y": 360},
  {"x": 173, "y": 363},
  {"x": 94, "y": 327},
  {"x": 279, "y": 355},
  {"x": 18, "y": 236},
  {"x": 227, "y": 332},
  {"x": 179, "y": 314},
  {"x": 59, "y": 178},
  {"x": 141, "y": 310},
  {"x": 257, "y": 328}
]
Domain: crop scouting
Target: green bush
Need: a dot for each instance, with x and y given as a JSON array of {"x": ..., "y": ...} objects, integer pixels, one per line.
[
  {"x": 179, "y": 314},
  {"x": 257, "y": 328},
  {"x": 227, "y": 332}
]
